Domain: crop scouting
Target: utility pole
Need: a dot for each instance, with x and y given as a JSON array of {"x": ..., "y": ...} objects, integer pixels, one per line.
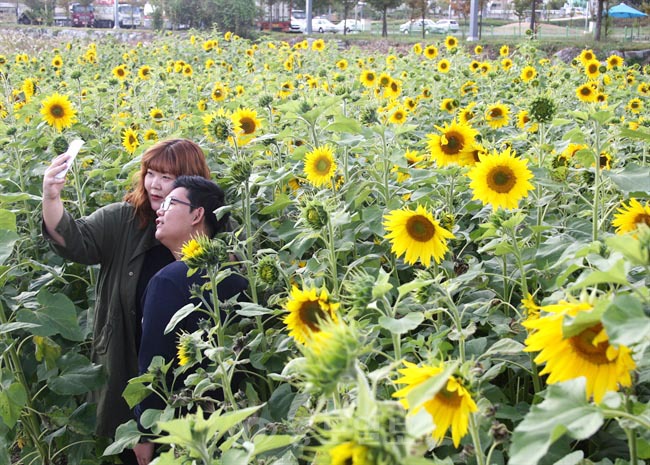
[{"x": 473, "y": 21}]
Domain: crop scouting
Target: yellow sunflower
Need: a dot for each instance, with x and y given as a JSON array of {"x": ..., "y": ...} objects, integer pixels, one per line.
[
  {"x": 635, "y": 106},
  {"x": 467, "y": 114},
  {"x": 151, "y": 135},
  {"x": 586, "y": 93},
  {"x": 469, "y": 87},
  {"x": 504, "y": 51},
  {"x": 449, "y": 105},
  {"x": 587, "y": 55},
  {"x": 453, "y": 145},
  {"x": 349, "y": 453},
  {"x": 417, "y": 235},
  {"x": 384, "y": 80},
  {"x": 444, "y": 66},
  {"x": 318, "y": 45},
  {"x": 57, "y": 61},
  {"x": 368, "y": 78},
  {"x": 320, "y": 166},
  {"x": 592, "y": 69},
  {"x": 496, "y": 115},
  {"x": 528, "y": 74},
  {"x": 478, "y": 49},
  {"x": 500, "y": 179},
  {"x": 144, "y": 73},
  {"x": 156, "y": 114},
  {"x": 342, "y": 64},
  {"x": 58, "y": 111},
  {"x": 523, "y": 120},
  {"x": 451, "y": 42},
  {"x": 130, "y": 140},
  {"x": 120, "y": 72},
  {"x": 449, "y": 408},
  {"x": 307, "y": 308},
  {"x": 474, "y": 66},
  {"x": 398, "y": 116},
  {"x": 506, "y": 64},
  {"x": 245, "y": 121},
  {"x": 219, "y": 92},
  {"x": 417, "y": 48},
  {"x": 187, "y": 70},
  {"x": 588, "y": 353},
  {"x": 631, "y": 216},
  {"x": 431, "y": 51}
]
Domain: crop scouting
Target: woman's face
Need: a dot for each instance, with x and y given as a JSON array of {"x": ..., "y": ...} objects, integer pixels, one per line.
[{"x": 158, "y": 185}]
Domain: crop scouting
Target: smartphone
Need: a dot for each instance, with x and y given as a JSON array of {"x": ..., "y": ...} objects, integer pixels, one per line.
[{"x": 73, "y": 150}]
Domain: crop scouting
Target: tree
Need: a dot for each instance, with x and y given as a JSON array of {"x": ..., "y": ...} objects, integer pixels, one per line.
[
  {"x": 599, "y": 19},
  {"x": 383, "y": 6},
  {"x": 347, "y": 4},
  {"x": 419, "y": 7},
  {"x": 520, "y": 7}
]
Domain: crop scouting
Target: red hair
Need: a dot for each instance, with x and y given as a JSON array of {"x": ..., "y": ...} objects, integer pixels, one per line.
[{"x": 174, "y": 156}]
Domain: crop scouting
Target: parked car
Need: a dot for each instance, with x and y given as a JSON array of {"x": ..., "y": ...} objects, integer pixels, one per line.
[
  {"x": 297, "y": 20},
  {"x": 415, "y": 26},
  {"x": 349, "y": 25},
  {"x": 319, "y": 25},
  {"x": 444, "y": 26}
]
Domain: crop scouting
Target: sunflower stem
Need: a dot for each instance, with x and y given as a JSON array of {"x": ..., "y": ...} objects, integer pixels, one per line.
[
  {"x": 332, "y": 254},
  {"x": 476, "y": 439},
  {"x": 520, "y": 262},
  {"x": 595, "y": 210}
]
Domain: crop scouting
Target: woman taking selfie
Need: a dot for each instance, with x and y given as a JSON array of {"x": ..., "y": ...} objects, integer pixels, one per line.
[{"x": 120, "y": 238}]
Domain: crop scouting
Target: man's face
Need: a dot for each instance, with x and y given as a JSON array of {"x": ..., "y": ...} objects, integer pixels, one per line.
[{"x": 174, "y": 222}]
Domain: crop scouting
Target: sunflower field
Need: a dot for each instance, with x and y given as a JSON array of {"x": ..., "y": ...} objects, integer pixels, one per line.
[{"x": 447, "y": 246}]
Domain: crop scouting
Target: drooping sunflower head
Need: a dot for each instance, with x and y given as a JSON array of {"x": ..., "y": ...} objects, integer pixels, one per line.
[
  {"x": 308, "y": 308},
  {"x": 320, "y": 166},
  {"x": 58, "y": 112},
  {"x": 584, "y": 351},
  {"x": 417, "y": 235},
  {"x": 629, "y": 217},
  {"x": 501, "y": 180},
  {"x": 453, "y": 145}
]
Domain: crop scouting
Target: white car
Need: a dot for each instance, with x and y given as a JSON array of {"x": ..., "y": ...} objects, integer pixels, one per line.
[
  {"x": 319, "y": 25},
  {"x": 445, "y": 25},
  {"x": 349, "y": 25},
  {"x": 415, "y": 26}
]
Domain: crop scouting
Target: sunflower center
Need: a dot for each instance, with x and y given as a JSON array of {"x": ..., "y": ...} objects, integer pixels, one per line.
[
  {"x": 57, "y": 111},
  {"x": 420, "y": 228},
  {"x": 322, "y": 165},
  {"x": 501, "y": 179},
  {"x": 455, "y": 143},
  {"x": 247, "y": 125},
  {"x": 449, "y": 398},
  {"x": 642, "y": 218},
  {"x": 585, "y": 91},
  {"x": 496, "y": 113},
  {"x": 584, "y": 346},
  {"x": 311, "y": 314}
]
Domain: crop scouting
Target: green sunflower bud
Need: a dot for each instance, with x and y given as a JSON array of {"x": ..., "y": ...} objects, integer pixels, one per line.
[
  {"x": 358, "y": 290},
  {"x": 241, "y": 170},
  {"x": 543, "y": 109},
  {"x": 59, "y": 145},
  {"x": 267, "y": 271},
  {"x": 265, "y": 100},
  {"x": 315, "y": 215}
]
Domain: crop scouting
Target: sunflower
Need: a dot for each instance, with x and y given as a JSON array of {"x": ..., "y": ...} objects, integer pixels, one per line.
[
  {"x": 469, "y": 87},
  {"x": 643, "y": 89},
  {"x": 410, "y": 103},
  {"x": 120, "y": 72},
  {"x": 587, "y": 55},
  {"x": 497, "y": 115},
  {"x": 506, "y": 64},
  {"x": 467, "y": 114},
  {"x": 368, "y": 78},
  {"x": 631, "y": 216},
  {"x": 444, "y": 66},
  {"x": 318, "y": 45},
  {"x": 417, "y": 235},
  {"x": 635, "y": 106},
  {"x": 245, "y": 123},
  {"x": 349, "y": 453},
  {"x": 307, "y": 308},
  {"x": 449, "y": 408},
  {"x": 417, "y": 48},
  {"x": 451, "y": 42},
  {"x": 320, "y": 166},
  {"x": 449, "y": 105},
  {"x": 504, "y": 51},
  {"x": 474, "y": 66},
  {"x": 431, "y": 51},
  {"x": 500, "y": 179},
  {"x": 478, "y": 49},
  {"x": 57, "y": 61},
  {"x": 454, "y": 145},
  {"x": 586, "y": 93},
  {"x": 219, "y": 92},
  {"x": 528, "y": 74},
  {"x": 523, "y": 120},
  {"x": 398, "y": 116},
  {"x": 156, "y": 114},
  {"x": 592, "y": 69},
  {"x": 342, "y": 64},
  {"x": 3, "y": 111},
  {"x": 384, "y": 80},
  {"x": 604, "y": 160},
  {"x": 568, "y": 153},
  {"x": 191, "y": 249},
  {"x": 187, "y": 70},
  {"x": 144, "y": 73},
  {"x": 58, "y": 111},
  {"x": 150, "y": 135},
  {"x": 587, "y": 353},
  {"x": 130, "y": 140},
  {"x": 485, "y": 68}
]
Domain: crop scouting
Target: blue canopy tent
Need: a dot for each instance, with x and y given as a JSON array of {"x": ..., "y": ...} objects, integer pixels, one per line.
[{"x": 624, "y": 11}]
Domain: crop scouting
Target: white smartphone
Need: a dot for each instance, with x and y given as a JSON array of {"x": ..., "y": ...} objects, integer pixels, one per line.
[{"x": 73, "y": 150}]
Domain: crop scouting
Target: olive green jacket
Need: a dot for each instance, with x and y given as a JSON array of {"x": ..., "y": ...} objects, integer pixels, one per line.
[{"x": 112, "y": 238}]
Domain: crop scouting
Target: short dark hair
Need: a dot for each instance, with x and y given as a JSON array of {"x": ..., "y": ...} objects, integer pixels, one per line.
[{"x": 204, "y": 193}]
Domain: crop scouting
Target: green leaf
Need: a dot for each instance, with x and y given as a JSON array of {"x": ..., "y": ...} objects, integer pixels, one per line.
[
  {"x": 505, "y": 347},
  {"x": 632, "y": 134},
  {"x": 178, "y": 317},
  {"x": 402, "y": 325},
  {"x": 572, "y": 326},
  {"x": 411, "y": 286},
  {"x": 264, "y": 443},
  {"x": 632, "y": 178},
  {"x": 78, "y": 376},
  {"x": 633, "y": 250},
  {"x": 281, "y": 202},
  {"x": 565, "y": 410},
  {"x": 57, "y": 315},
  {"x": 252, "y": 309},
  {"x": 601, "y": 117},
  {"x": 7, "y": 241},
  {"x": 625, "y": 321},
  {"x": 8, "y": 220},
  {"x": 137, "y": 389},
  {"x": 428, "y": 389},
  {"x": 48, "y": 350},
  {"x": 12, "y": 402},
  {"x": 343, "y": 124},
  {"x": 126, "y": 436},
  {"x": 382, "y": 286},
  {"x": 615, "y": 275},
  {"x": 9, "y": 327},
  {"x": 235, "y": 457},
  {"x": 14, "y": 197}
]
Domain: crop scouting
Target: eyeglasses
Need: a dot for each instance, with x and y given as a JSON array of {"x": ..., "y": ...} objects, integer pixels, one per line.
[{"x": 169, "y": 201}]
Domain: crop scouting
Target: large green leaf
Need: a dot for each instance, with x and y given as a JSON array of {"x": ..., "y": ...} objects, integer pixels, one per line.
[
  {"x": 7, "y": 220},
  {"x": 126, "y": 436},
  {"x": 633, "y": 178},
  {"x": 56, "y": 315},
  {"x": 7, "y": 241},
  {"x": 625, "y": 321},
  {"x": 12, "y": 402},
  {"x": 614, "y": 275},
  {"x": 565, "y": 410},
  {"x": 264, "y": 443},
  {"x": 402, "y": 325},
  {"x": 78, "y": 376}
]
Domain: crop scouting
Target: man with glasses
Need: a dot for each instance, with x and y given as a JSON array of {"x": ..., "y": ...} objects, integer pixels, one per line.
[{"x": 187, "y": 212}]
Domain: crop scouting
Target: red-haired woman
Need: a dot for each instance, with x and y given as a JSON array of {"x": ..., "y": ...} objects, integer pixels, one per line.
[{"x": 119, "y": 237}]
